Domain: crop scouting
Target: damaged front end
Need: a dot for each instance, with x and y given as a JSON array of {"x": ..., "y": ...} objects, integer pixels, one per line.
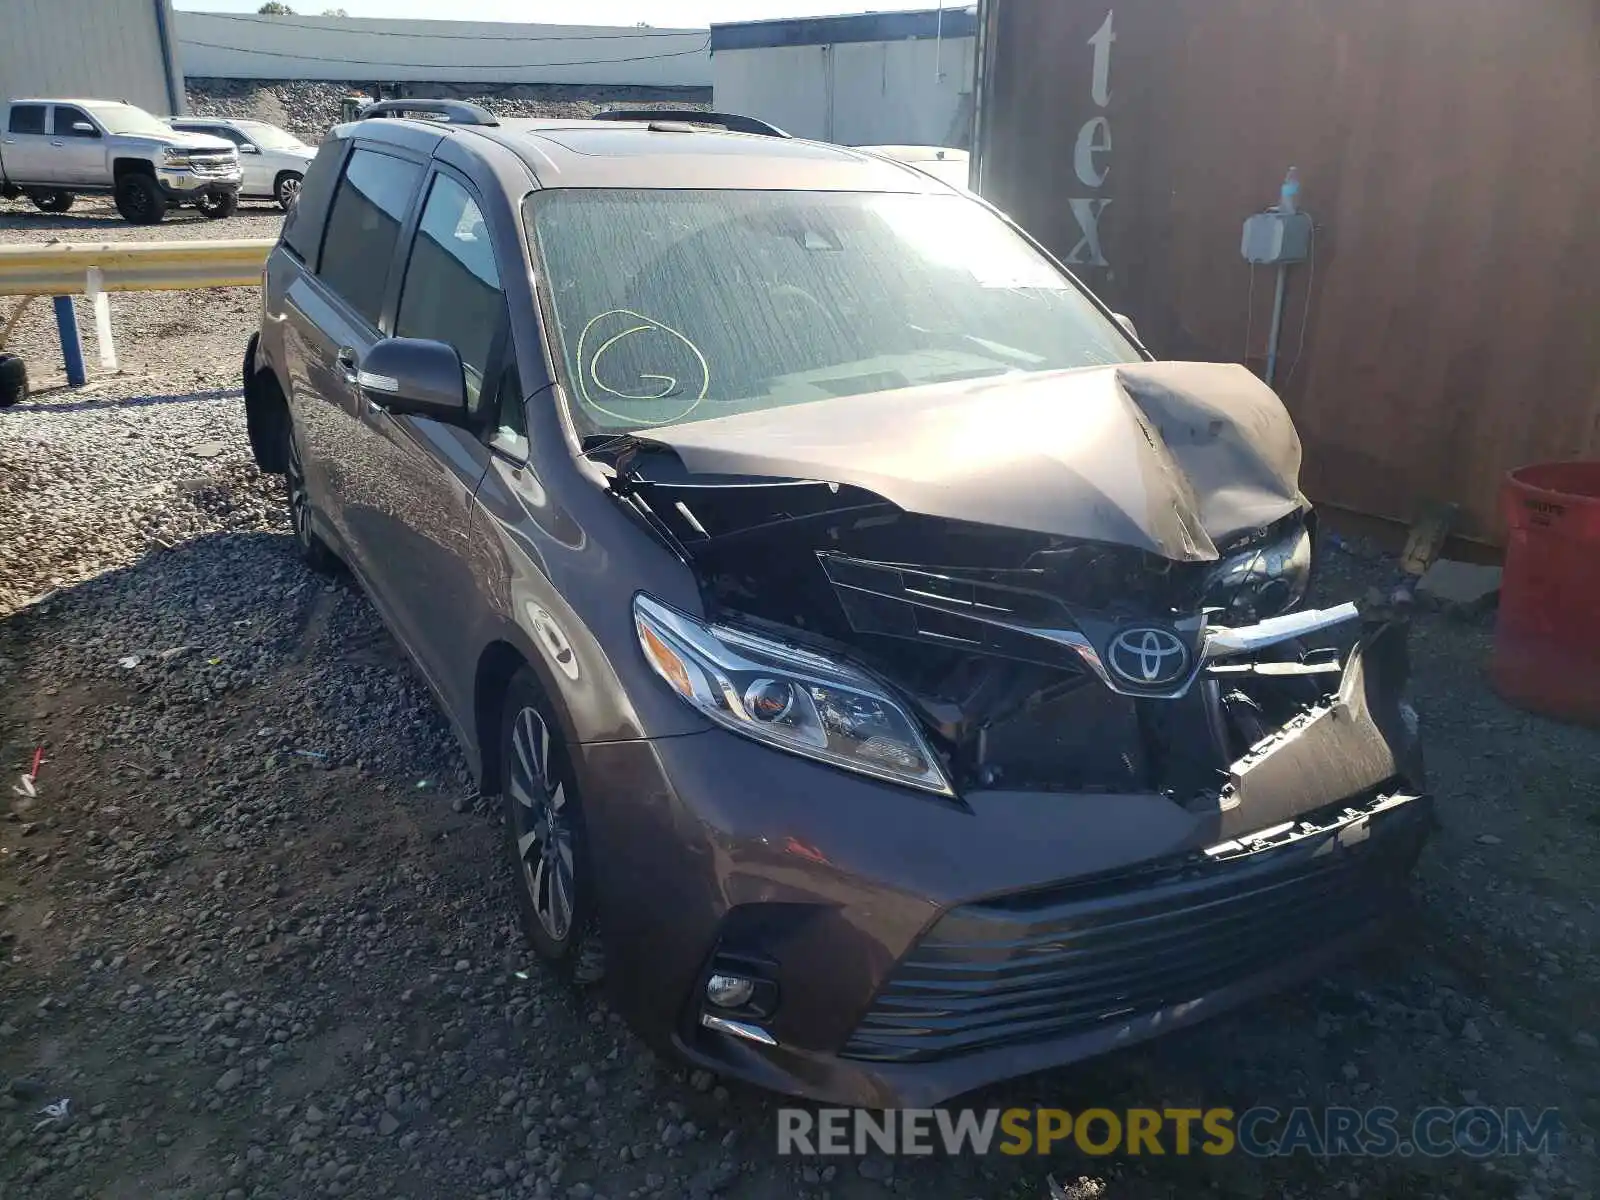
[
  {"x": 1070, "y": 611},
  {"x": 1033, "y": 656}
]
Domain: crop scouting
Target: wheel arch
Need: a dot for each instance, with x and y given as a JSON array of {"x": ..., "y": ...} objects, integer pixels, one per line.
[
  {"x": 123, "y": 167},
  {"x": 499, "y": 662}
]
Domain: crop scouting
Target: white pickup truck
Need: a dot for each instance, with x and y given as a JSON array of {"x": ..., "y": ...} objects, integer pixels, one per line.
[{"x": 51, "y": 150}]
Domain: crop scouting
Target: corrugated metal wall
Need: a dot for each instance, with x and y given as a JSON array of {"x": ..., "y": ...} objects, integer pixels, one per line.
[
  {"x": 250, "y": 46},
  {"x": 1450, "y": 153},
  {"x": 105, "y": 49},
  {"x": 858, "y": 93},
  {"x": 873, "y": 78}
]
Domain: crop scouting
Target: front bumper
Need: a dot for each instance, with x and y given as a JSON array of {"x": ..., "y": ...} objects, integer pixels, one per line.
[
  {"x": 921, "y": 947},
  {"x": 184, "y": 183}
]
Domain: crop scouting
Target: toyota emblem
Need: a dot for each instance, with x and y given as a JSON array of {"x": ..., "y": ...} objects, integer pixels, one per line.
[{"x": 1148, "y": 656}]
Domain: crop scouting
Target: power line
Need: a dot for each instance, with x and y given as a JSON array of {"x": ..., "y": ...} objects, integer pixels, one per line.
[
  {"x": 446, "y": 37},
  {"x": 1305, "y": 310},
  {"x": 365, "y": 62}
]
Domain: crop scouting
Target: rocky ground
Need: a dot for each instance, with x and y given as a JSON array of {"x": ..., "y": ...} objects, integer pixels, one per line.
[{"x": 255, "y": 932}]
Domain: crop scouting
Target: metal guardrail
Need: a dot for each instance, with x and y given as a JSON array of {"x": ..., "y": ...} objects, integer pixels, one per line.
[{"x": 62, "y": 268}]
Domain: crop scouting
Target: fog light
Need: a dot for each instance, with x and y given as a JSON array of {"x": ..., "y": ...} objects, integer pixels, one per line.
[{"x": 729, "y": 991}]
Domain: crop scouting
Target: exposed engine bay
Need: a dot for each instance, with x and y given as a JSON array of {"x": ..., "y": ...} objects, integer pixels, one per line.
[{"x": 1033, "y": 659}]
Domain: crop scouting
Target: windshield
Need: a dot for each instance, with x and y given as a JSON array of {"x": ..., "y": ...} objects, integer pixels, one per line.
[
  {"x": 269, "y": 137},
  {"x": 125, "y": 118},
  {"x": 676, "y": 306}
]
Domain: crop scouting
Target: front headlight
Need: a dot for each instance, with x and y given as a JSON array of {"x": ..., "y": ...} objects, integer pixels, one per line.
[
  {"x": 175, "y": 158},
  {"x": 1262, "y": 582},
  {"x": 786, "y": 697}
]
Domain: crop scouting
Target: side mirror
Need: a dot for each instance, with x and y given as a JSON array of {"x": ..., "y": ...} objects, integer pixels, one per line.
[
  {"x": 245, "y": 148},
  {"x": 1127, "y": 327},
  {"x": 85, "y": 127},
  {"x": 416, "y": 376}
]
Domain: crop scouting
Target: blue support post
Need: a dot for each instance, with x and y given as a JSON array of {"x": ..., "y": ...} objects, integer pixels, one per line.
[{"x": 71, "y": 343}]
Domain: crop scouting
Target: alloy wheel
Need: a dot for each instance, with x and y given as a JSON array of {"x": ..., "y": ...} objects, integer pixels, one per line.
[
  {"x": 299, "y": 507},
  {"x": 541, "y": 826},
  {"x": 288, "y": 191}
]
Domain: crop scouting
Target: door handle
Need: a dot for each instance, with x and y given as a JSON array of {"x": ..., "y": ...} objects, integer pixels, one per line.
[
  {"x": 346, "y": 358},
  {"x": 57, "y": 142}
]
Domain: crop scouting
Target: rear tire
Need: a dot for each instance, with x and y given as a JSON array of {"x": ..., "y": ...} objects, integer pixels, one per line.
[
  {"x": 287, "y": 189},
  {"x": 140, "y": 200},
  {"x": 13, "y": 380},
  {"x": 52, "y": 202},
  {"x": 215, "y": 206},
  {"x": 545, "y": 834},
  {"x": 313, "y": 550}
]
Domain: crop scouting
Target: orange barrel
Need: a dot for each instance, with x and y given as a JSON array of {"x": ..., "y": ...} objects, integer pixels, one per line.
[{"x": 1547, "y": 638}]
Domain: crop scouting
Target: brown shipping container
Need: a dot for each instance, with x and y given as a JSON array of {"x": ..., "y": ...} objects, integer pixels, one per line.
[{"x": 1445, "y": 329}]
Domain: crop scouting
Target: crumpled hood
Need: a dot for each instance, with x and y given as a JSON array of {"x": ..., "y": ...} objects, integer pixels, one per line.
[{"x": 1169, "y": 457}]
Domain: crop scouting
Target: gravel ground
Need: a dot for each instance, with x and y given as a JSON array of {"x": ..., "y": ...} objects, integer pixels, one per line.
[
  {"x": 255, "y": 930},
  {"x": 176, "y": 351},
  {"x": 310, "y": 109}
]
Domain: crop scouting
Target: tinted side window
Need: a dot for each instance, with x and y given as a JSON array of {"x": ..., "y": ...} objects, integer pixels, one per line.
[
  {"x": 216, "y": 131},
  {"x": 510, "y": 431},
  {"x": 452, "y": 291},
  {"x": 363, "y": 227},
  {"x": 66, "y": 118},
  {"x": 27, "y": 118},
  {"x": 302, "y": 228}
]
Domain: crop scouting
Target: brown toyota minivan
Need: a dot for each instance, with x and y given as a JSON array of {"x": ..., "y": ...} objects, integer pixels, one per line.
[{"x": 895, "y": 679}]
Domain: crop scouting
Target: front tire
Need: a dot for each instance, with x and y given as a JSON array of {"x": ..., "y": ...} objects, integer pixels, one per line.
[
  {"x": 287, "y": 189},
  {"x": 313, "y": 550},
  {"x": 52, "y": 202},
  {"x": 13, "y": 380},
  {"x": 140, "y": 200},
  {"x": 214, "y": 206},
  {"x": 545, "y": 835}
]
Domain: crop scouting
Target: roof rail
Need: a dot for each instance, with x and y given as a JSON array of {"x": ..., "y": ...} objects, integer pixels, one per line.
[
  {"x": 454, "y": 112},
  {"x": 732, "y": 122}
]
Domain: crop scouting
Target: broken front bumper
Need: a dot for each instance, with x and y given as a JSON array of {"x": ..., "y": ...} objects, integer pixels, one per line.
[
  {"x": 1100, "y": 962},
  {"x": 918, "y": 947},
  {"x": 184, "y": 184}
]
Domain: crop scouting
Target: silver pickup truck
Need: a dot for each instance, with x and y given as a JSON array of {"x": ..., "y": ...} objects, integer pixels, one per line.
[{"x": 51, "y": 150}]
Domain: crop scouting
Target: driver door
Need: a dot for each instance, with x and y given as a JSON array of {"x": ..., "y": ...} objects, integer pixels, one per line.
[
  {"x": 80, "y": 153},
  {"x": 415, "y": 537}
]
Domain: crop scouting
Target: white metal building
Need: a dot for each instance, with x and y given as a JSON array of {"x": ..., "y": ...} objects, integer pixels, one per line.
[
  {"x": 867, "y": 79},
  {"x": 252, "y": 46},
  {"x": 105, "y": 49}
]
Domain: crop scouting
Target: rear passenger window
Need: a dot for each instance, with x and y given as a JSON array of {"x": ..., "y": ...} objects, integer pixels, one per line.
[
  {"x": 363, "y": 227},
  {"x": 452, "y": 290},
  {"x": 302, "y": 228},
  {"x": 27, "y": 118}
]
